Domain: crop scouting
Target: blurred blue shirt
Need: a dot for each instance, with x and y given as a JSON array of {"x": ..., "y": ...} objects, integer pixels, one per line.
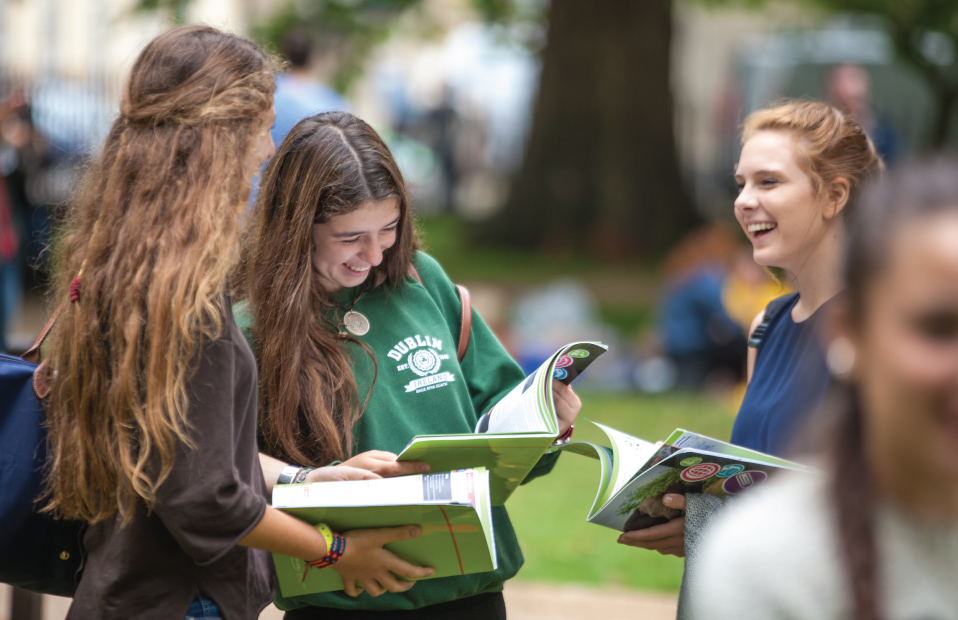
[
  {"x": 297, "y": 98},
  {"x": 692, "y": 317}
]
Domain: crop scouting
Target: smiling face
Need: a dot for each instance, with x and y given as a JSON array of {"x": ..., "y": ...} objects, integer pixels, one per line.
[
  {"x": 348, "y": 246},
  {"x": 907, "y": 352},
  {"x": 777, "y": 205}
]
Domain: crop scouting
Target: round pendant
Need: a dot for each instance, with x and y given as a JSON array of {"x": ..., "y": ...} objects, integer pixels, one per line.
[{"x": 355, "y": 323}]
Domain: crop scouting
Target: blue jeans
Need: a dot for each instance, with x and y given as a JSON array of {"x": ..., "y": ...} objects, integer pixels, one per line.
[{"x": 203, "y": 609}]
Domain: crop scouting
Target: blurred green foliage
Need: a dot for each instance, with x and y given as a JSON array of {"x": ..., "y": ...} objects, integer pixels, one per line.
[
  {"x": 446, "y": 238},
  {"x": 909, "y": 22},
  {"x": 357, "y": 26}
]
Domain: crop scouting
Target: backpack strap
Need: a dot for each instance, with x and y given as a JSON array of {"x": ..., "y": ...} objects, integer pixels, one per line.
[
  {"x": 33, "y": 353},
  {"x": 770, "y": 310},
  {"x": 465, "y": 321},
  {"x": 42, "y": 377},
  {"x": 465, "y": 324}
]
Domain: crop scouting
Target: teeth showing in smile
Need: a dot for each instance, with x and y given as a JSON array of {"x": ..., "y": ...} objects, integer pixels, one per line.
[
  {"x": 754, "y": 228},
  {"x": 357, "y": 269}
]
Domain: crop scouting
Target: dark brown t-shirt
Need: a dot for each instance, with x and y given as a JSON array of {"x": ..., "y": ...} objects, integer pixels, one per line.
[{"x": 159, "y": 563}]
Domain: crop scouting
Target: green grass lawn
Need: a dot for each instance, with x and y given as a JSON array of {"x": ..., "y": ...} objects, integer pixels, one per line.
[{"x": 549, "y": 513}]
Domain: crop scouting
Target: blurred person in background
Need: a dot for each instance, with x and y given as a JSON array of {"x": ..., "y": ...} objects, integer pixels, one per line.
[
  {"x": 29, "y": 161},
  {"x": 801, "y": 169},
  {"x": 877, "y": 537},
  {"x": 707, "y": 347},
  {"x": 748, "y": 289},
  {"x": 848, "y": 87},
  {"x": 298, "y": 93},
  {"x": 10, "y": 283}
]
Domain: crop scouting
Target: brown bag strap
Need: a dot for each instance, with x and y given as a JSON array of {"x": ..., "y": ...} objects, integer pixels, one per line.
[
  {"x": 465, "y": 322},
  {"x": 33, "y": 353},
  {"x": 42, "y": 377}
]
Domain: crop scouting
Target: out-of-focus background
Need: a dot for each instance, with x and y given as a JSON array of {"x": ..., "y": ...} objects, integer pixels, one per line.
[{"x": 569, "y": 161}]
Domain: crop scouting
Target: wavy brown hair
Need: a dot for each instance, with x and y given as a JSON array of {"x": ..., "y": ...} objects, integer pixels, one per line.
[
  {"x": 152, "y": 233},
  {"x": 327, "y": 166}
]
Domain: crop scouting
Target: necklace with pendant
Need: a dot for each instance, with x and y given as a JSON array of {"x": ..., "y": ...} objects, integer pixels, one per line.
[{"x": 355, "y": 322}]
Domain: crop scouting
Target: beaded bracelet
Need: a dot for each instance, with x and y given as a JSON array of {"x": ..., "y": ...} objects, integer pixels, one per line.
[{"x": 335, "y": 548}]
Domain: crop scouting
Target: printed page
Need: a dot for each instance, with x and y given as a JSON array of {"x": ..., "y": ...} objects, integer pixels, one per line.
[
  {"x": 639, "y": 505},
  {"x": 631, "y": 454},
  {"x": 441, "y": 488},
  {"x": 484, "y": 510},
  {"x": 521, "y": 410},
  {"x": 529, "y": 407},
  {"x": 605, "y": 457},
  {"x": 682, "y": 438}
]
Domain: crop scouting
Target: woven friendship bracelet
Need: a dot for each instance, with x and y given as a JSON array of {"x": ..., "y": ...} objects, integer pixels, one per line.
[{"x": 334, "y": 552}]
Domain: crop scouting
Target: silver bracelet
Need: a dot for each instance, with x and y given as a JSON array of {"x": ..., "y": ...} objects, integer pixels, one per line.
[
  {"x": 288, "y": 475},
  {"x": 301, "y": 475}
]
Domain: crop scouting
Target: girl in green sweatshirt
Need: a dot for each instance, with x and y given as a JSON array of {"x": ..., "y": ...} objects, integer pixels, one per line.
[{"x": 357, "y": 354}]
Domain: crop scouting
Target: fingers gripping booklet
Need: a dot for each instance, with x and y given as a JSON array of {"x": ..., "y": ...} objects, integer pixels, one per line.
[
  {"x": 512, "y": 436},
  {"x": 452, "y": 508},
  {"x": 635, "y": 474}
]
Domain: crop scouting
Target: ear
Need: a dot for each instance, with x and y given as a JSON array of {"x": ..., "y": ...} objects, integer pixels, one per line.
[{"x": 836, "y": 197}]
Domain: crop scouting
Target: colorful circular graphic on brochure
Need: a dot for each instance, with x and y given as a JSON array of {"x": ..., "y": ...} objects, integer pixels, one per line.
[
  {"x": 744, "y": 480},
  {"x": 560, "y": 373},
  {"x": 580, "y": 353},
  {"x": 699, "y": 472},
  {"x": 564, "y": 361},
  {"x": 730, "y": 470},
  {"x": 692, "y": 460}
]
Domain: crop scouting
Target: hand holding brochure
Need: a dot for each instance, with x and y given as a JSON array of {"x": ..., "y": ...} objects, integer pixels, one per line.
[
  {"x": 512, "y": 437},
  {"x": 452, "y": 508},
  {"x": 635, "y": 474}
]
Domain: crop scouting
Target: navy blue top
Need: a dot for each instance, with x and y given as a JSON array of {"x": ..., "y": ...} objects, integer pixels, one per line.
[{"x": 789, "y": 381}]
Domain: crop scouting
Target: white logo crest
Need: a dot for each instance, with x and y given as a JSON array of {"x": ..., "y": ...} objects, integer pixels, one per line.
[
  {"x": 424, "y": 362},
  {"x": 424, "y": 358}
]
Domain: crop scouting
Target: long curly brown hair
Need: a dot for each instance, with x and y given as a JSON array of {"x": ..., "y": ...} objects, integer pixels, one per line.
[
  {"x": 327, "y": 166},
  {"x": 152, "y": 233}
]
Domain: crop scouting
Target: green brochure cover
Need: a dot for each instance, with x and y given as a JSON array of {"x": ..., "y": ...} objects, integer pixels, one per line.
[
  {"x": 634, "y": 474},
  {"x": 515, "y": 433},
  {"x": 452, "y": 508}
]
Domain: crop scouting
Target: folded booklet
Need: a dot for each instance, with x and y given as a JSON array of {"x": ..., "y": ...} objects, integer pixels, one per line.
[
  {"x": 452, "y": 508},
  {"x": 512, "y": 436},
  {"x": 635, "y": 474}
]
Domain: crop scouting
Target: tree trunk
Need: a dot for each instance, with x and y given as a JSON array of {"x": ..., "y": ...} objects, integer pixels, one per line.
[
  {"x": 600, "y": 173},
  {"x": 946, "y": 95}
]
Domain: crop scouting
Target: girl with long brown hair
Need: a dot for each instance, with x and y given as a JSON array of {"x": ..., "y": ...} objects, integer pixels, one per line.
[
  {"x": 356, "y": 332},
  {"x": 152, "y": 415},
  {"x": 877, "y": 537}
]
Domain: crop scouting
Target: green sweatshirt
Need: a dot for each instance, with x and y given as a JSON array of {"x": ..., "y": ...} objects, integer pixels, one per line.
[{"x": 422, "y": 389}]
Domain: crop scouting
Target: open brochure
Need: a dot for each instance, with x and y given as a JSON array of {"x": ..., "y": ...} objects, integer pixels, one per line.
[
  {"x": 635, "y": 474},
  {"x": 512, "y": 436},
  {"x": 452, "y": 508}
]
